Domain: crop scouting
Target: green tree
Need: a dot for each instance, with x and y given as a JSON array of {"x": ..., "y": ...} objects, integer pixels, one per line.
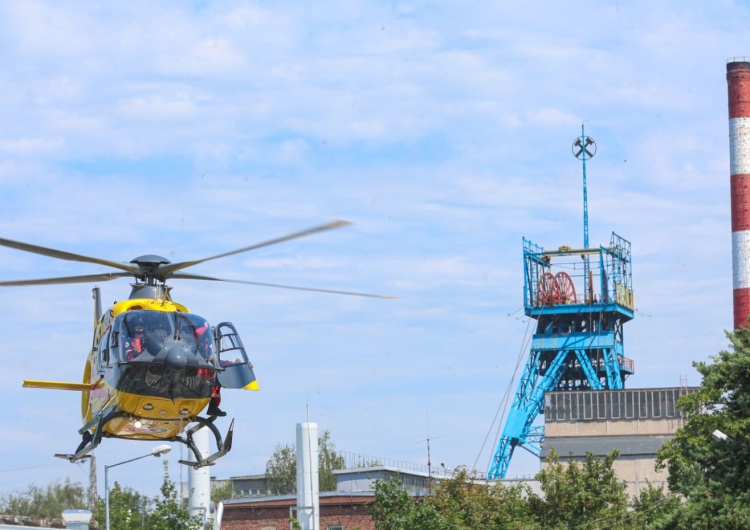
[
  {"x": 655, "y": 509},
  {"x": 128, "y": 509},
  {"x": 44, "y": 503},
  {"x": 281, "y": 468},
  {"x": 468, "y": 503},
  {"x": 712, "y": 474},
  {"x": 394, "y": 509},
  {"x": 328, "y": 461},
  {"x": 169, "y": 513},
  {"x": 223, "y": 492},
  {"x": 581, "y": 495},
  {"x": 462, "y": 502}
]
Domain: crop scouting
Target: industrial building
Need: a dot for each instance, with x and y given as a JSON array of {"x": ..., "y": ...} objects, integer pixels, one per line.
[
  {"x": 345, "y": 508},
  {"x": 637, "y": 422}
]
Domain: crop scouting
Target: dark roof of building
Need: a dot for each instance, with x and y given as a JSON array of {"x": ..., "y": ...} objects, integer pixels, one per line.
[
  {"x": 326, "y": 497},
  {"x": 18, "y": 522},
  {"x": 249, "y": 477}
]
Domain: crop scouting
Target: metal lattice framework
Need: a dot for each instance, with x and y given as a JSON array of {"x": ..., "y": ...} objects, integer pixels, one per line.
[{"x": 578, "y": 343}]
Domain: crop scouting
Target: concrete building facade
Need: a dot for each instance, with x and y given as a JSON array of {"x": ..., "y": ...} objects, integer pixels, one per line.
[{"x": 637, "y": 422}]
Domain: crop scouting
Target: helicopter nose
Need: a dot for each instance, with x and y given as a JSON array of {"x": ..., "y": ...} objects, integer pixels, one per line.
[{"x": 176, "y": 357}]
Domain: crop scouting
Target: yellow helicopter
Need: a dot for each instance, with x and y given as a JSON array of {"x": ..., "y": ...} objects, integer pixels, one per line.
[{"x": 154, "y": 366}]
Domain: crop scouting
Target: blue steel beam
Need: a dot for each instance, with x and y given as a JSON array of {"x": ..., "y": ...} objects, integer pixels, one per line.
[
  {"x": 527, "y": 405},
  {"x": 535, "y": 381}
]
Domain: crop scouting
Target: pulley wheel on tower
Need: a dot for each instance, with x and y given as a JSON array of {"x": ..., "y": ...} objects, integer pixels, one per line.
[
  {"x": 564, "y": 292},
  {"x": 545, "y": 289}
]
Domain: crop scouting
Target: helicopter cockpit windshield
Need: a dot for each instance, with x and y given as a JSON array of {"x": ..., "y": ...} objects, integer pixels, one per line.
[
  {"x": 193, "y": 329},
  {"x": 149, "y": 331}
]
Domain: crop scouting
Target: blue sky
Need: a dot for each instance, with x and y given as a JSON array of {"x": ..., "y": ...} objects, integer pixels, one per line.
[{"x": 443, "y": 131}]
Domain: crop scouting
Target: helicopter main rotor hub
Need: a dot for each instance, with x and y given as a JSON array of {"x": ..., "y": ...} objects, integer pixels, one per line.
[{"x": 148, "y": 266}]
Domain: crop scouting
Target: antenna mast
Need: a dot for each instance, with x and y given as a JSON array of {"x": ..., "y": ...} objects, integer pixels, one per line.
[
  {"x": 429, "y": 464},
  {"x": 584, "y": 148}
]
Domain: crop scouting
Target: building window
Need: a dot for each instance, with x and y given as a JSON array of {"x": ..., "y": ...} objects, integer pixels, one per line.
[{"x": 334, "y": 527}]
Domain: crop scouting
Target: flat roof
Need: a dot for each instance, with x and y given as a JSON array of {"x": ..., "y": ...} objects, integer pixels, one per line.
[
  {"x": 326, "y": 497},
  {"x": 373, "y": 469}
]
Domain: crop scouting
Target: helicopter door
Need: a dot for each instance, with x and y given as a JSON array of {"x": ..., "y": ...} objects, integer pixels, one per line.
[{"x": 237, "y": 371}]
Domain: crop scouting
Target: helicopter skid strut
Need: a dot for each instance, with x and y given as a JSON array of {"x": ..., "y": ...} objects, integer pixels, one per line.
[
  {"x": 222, "y": 447},
  {"x": 90, "y": 441}
]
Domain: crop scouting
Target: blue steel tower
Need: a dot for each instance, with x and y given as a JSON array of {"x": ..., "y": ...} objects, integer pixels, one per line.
[{"x": 578, "y": 342}]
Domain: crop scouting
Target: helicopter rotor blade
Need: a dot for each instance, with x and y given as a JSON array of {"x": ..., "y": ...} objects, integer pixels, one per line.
[
  {"x": 167, "y": 270},
  {"x": 69, "y": 256},
  {"x": 102, "y": 277},
  {"x": 185, "y": 276}
]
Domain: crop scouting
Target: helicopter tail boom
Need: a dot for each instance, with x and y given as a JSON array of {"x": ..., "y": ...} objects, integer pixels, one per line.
[{"x": 56, "y": 385}]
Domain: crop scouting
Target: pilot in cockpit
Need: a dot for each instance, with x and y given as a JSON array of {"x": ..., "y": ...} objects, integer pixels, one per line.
[{"x": 135, "y": 344}]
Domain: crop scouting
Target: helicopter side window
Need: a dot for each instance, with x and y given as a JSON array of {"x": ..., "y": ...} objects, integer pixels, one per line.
[
  {"x": 103, "y": 350},
  {"x": 231, "y": 350}
]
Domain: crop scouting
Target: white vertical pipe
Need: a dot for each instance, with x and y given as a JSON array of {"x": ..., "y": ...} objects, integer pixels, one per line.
[
  {"x": 308, "y": 503},
  {"x": 218, "y": 515},
  {"x": 199, "y": 480}
]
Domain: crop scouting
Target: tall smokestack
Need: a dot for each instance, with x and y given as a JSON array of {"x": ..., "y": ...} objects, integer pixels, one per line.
[{"x": 738, "y": 83}]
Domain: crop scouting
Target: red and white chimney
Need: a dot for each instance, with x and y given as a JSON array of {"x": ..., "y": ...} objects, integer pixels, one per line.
[{"x": 738, "y": 83}]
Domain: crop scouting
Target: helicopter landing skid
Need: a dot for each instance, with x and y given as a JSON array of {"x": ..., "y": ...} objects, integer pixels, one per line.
[
  {"x": 222, "y": 447},
  {"x": 91, "y": 441}
]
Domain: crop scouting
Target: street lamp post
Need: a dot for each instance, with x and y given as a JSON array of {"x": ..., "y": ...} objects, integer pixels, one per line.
[{"x": 156, "y": 451}]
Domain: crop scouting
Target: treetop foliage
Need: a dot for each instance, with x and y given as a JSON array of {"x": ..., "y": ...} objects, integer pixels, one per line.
[
  {"x": 128, "y": 509},
  {"x": 575, "y": 495},
  {"x": 44, "y": 503},
  {"x": 710, "y": 474}
]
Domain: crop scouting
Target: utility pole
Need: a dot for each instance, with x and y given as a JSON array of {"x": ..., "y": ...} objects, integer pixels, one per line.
[
  {"x": 92, "y": 496},
  {"x": 429, "y": 465}
]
